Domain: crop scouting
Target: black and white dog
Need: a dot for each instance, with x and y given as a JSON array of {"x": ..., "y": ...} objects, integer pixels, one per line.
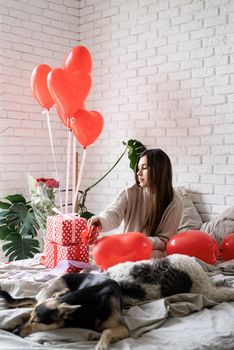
[
  {"x": 81, "y": 300},
  {"x": 158, "y": 278}
]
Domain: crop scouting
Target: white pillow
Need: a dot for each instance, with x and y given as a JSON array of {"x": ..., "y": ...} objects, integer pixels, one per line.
[
  {"x": 191, "y": 219},
  {"x": 220, "y": 226}
]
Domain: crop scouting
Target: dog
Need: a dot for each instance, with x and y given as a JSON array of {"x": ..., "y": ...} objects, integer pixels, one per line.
[
  {"x": 83, "y": 300},
  {"x": 146, "y": 280}
]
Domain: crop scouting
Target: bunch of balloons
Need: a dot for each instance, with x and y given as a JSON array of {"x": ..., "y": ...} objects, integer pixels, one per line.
[
  {"x": 68, "y": 88},
  {"x": 135, "y": 246}
]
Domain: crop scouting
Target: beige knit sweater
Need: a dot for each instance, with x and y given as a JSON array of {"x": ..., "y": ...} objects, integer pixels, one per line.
[{"x": 131, "y": 208}]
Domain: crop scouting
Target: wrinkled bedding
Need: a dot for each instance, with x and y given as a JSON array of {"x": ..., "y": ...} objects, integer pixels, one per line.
[{"x": 182, "y": 321}]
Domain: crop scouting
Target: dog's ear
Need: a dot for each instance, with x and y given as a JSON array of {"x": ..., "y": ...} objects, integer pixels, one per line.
[{"x": 67, "y": 308}]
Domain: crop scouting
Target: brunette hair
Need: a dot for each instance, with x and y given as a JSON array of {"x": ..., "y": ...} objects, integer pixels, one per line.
[{"x": 159, "y": 186}]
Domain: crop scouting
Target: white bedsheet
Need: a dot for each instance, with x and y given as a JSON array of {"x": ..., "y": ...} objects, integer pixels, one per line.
[{"x": 181, "y": 322}]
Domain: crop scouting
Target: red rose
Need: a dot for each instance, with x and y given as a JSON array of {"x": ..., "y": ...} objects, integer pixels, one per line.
[
  {"x": 40, "y": 179},
  {"x": 51, "y": 183}
]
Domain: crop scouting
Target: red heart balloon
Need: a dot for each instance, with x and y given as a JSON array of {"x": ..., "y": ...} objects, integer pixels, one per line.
[
  {"x": 87, "y": 126},
  {"x": 39, "y": 86},
  {"x": 65, "y": 120},
  {"x": 118, "y": 248},
  {"x": 78, "y": 59},
  {"x": 227, "y": 247},
  {"x": 69, "y": 90},
  {"x": 194, "y": 243}
]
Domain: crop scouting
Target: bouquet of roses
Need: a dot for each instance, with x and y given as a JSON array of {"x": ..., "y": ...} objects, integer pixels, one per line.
[{"x": 43, "y": 198}]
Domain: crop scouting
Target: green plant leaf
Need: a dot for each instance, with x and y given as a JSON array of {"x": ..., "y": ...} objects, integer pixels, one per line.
[
  {"x": 30, "y": 225},
  {"x": 3, "y": 213},
  {"x": 19, "y": 247},
  {"x": 135, "y": 148},
  {"x": 86, "y": 215},
  {"x": 2, "y": 221},
  {"x": 4, "y": 204},
  {"x": 4, "y": 232},
  {"x": 16, "y": 198},
  {"x": 22, "y": 219}
]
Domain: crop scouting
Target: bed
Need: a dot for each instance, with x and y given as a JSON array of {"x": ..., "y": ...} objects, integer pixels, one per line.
[{"x": 182, "y": 321}]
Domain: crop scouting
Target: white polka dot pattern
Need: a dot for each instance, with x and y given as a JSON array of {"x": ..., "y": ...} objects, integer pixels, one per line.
[
  {"x": 63, "y": 241},
  {"x": 54, "y": 253},
  {"x": 65, "y": 231},
  {"x": 50, "y": 251}
]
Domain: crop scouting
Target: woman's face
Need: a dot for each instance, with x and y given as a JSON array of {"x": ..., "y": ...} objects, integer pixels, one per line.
[{"x": 142, "y": 172}]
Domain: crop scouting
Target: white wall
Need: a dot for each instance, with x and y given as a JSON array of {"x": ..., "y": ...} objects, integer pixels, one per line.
[
  {"x": 32, "y": 32},
  {"x": 163, "y": 73}
]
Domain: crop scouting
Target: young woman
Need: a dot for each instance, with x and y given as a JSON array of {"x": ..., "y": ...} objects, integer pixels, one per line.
[{"x": 150, "y": 206}]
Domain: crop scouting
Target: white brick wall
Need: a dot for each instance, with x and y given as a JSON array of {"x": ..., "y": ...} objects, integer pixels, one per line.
[
  {"x": 163, "y": 73},
  {"x": 32, "y": 32}
]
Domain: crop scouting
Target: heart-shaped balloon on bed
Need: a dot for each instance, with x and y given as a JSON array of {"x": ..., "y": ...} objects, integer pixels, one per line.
[
  {"x": 194, "y": 243},
  {"x": 87, "y": 126},
  {"x": 227, "y": 247},
  {"x": 119, "y": 248},
  {"x": 69, "y": 90}
]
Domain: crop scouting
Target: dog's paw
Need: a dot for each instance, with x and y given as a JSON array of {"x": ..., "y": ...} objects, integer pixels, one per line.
[
  {"x": 105, "y": 340},
  {"x": 101, "y": 346}
]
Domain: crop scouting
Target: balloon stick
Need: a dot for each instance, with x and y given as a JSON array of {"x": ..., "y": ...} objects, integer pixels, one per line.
[
  {"x": 79, "y": 178},
  {"x": 68, "y": 169},
  {"x": 46, "y": 112}
]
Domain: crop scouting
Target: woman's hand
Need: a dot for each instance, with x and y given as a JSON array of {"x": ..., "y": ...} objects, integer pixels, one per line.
[{"x": 94, "y": 220}]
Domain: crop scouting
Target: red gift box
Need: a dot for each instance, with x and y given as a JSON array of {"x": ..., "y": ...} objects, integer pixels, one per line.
[
  {"x": 55, "y": 253},
  {"x": 65, "y": 229},
  {"x": 68, "y": 238}
]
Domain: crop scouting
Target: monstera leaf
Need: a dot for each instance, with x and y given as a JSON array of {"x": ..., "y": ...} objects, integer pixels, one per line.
[
  {"x": 18, "y": 226},
  {"x": 5, "y": 232},
  {"x": 6, "y": 202},
  {"x": 22, "y": 216},
  {"x": 15, "y": 198},
  {"x": 19, "y": 247},
  {"x": 135, "y": 148}
]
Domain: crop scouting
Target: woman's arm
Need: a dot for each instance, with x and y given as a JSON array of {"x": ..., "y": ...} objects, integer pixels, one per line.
[
  {"x": 159, "y": 243},
  {"x": 112, "y": 216}
]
